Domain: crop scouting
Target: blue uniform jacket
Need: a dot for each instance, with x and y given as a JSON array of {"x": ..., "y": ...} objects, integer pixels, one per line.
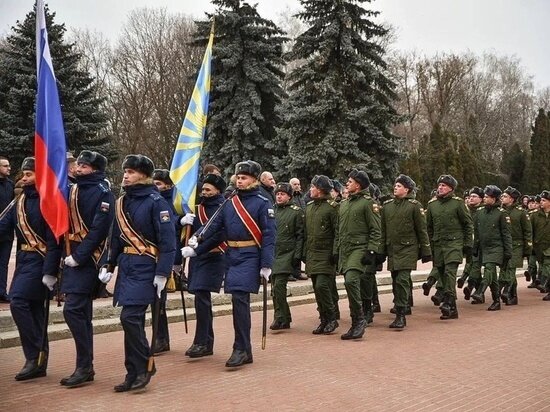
[
  {"x": 31, "y": 266},
  {"x": 149, "y": 215},
  {"x": 168, "y": 195},
  {"x": 206, "y": 270},
  {"x": 96, "y": 206},
  {"x": 244, "y": 263}
]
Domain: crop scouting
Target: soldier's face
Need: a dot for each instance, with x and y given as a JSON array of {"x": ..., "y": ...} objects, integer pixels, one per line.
[
  {"x": 282, "y": 198},
  {"x": 5, "y": 168},
  {"x": 28, "y": 178},
  {"x": 161, "y": 186},
  {"x": 131, "y": 177},
  {"x": 532, "y": 205},
  {"x": 83, "y": 169},
  {"x": 296, "y": 186},
  {"x": 352, "y": 186},
  {"x": 443, "y": 189},
  {"x": 489, "y": 200},
  {"x": 474, "y": 200},
  {"x": 545, "y": 205},
  {"x": 506, "y": 199},
  {"x": 209, "y": 190},
  {"x": 400, "y": 191},
  {"x": 314, "y": 192},
  {"x": 244, "y": 181}
]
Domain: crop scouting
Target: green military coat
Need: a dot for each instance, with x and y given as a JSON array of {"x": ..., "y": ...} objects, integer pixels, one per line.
[
  {"x": 493, "y": 239},
  {"x": 289, "y": 242},
  {"x": 404, "y": 233},
  {"x": 540, "y": 222},
  {"x": 359, "y": 230},
  {"x": 522, "y": 239},
  {"x": 321, "y": 234},
  {"x": 450, "y": 229}
]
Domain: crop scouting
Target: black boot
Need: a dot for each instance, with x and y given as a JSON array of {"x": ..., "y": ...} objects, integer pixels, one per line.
[
  {"x": 400, "y": 321},
  {"x": 437, "y": 298},
  {"x": 376, "y": 304},
  {"x": 79, "y": 377},
  {"x": 408, "y": 310},
  {"x": 547, "y": 297},
  {"x": 513, "y": 295},
  {"x": 319, "y": 330},
  {"x": 479, "y": 295},
  {"x": 468, "y": 290},
  {"x": 331, "y": 325},
  {"x": 238, "y": 358},
  {"x": 161, "y": 346},
  {"x": 445, "y": 307},
  {"x": 495, "y": 293},
  {"x": 504, "y": 290},
  {"x": 527, "y": 276},
  {"x": 199, "y": 351},
  {"x": 426, "y": 286},
  {"x": 31, "y": 370},
  {"x": 367, "y": 309},
  {"x": 453, "y": 311},
  {"x": 461, "y": 280},
  {"x": 358, "y": 325}
]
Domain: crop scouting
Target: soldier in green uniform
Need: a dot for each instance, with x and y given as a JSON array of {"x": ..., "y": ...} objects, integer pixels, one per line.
[
  {"x": 321, "y": 250},
  {"x": 540, "y": 222},
  {"x": 532, "y": 272},
  {"x": 359, "y": 245},
  {"x": 522, "y": 244},
  {"x": 404, "y": 239},
  {"x": 472, "y": 268},
  {"x": 492, "y": 243},
  {"x": 289, "y": 219},
  {"x": 433, "y": 277},
  {"x": 450, "y": 230}
]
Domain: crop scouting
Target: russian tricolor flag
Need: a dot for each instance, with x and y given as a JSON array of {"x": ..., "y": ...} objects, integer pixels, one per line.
[{"x": 49, "y": 136}]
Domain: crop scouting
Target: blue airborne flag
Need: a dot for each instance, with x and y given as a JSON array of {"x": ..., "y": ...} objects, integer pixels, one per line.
[{"x": 184, "y": 170}]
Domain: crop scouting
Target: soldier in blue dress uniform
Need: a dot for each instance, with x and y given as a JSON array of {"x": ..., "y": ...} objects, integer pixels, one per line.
[
  {"x": 37, "y": 261},
  {"x": 91, "y": 213},
  {"x": 143, "y": 246},
  {"x": 248, "y": 226}
]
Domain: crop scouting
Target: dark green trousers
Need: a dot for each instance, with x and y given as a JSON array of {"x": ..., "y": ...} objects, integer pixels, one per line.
[
  {"x": 353, "y": 288},
  {"x": 447, "y": 278},
  {"x": 402, "y": 287},
  {"x": 335, "y": 295},
  {"x": 368, "y": 286},
  {"x": 322, "y": 287},
  {"x": 490, "y": 276},
  {"x": 280, "y": 304}
]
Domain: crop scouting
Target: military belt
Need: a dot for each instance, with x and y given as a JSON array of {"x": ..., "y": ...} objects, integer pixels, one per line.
[
  {"x": 28, "y": 248},
  {"x": 130, "y": 250},
  {"x": 241, "y": 243}
]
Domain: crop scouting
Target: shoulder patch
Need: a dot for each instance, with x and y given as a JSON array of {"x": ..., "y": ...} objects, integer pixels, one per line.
[
  {"x": 104, "y": 207},
  {"x": 103, "y": 188},
  {"x": 165, "y": 216},
  {"x": 155, "y": 196},
  {"x": 270, "y": 212}
]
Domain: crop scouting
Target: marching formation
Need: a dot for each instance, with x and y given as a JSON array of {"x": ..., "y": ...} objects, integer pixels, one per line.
[{"x": 251, "y": 232}]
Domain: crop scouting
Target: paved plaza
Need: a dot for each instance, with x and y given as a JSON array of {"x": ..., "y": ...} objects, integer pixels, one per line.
[{"x": 485, "y": 361}]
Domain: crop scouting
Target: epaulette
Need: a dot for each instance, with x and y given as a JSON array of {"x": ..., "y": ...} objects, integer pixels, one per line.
[
  {"x": 310, "y": 202},
  {"x": 263, "y": 197},
  {"x": 332, "y": 203},
  {"x": 294, "y": 207},
  {"x": 103, "y": 188},
  {"x": 368, "y": 197},
  {"x": 458, "y": 198},
  {"x": 432, "y": 200},
  {"x": 502, "y": 209},
  {"x": 533, "y": 211},
  {"x": 519, "y": 208},
  {"x": 413, "y": 201},
  {"x": 155, "y": 196},
  {"x": 388, "y": 201}
]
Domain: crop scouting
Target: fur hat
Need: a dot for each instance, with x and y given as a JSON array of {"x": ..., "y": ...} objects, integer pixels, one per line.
[
  {"x": 284, "y": 187},
  {"x": 323, "y": 183},
  {"x": 405, "y": 181},
  {"x": 360, "y": 177},
  {"x": 336, "y": 185},
  {"x": 476, "y": 190},
  {"x": 139, "y": 163},
  {"x": 545, "y": 195},
  {"x": 28, "y": 164},
  {"x": 493, "y": 191},
  {"x": 374, "y": 191},
  {"x": 448, "y": 180},
  {"x": 248, "y": 167},
  {"x": 93, "y": 159},
  {"x": 163, "y": 175},
  {"x": 216, "y": 181},
  {"x": 513, "y": 192}
]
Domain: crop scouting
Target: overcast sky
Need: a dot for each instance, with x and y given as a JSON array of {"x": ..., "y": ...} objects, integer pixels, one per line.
[{"x": 506, "y": 27}]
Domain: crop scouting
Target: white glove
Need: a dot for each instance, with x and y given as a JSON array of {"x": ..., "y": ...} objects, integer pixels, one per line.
[
  {"x": 159, "y": 282},
  {"x": 193, "y": 242},
  {"x": 69, "y": 261},
  {"x": 188, "y": 252},
  {"x": 49, "y": 281},
  {"x": 105, "y": 276},
  {"x": 265, "y": 273},
  {"x": 187, "y": 219}
]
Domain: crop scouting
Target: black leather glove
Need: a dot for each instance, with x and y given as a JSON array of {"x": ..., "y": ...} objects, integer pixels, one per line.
[
  {"x": 467, "y": 251},
  {"x": 380, "y": 258},
  {"x": 369, "y": 258},
  {"x": 333, "y": 259},
  {"x": 505, "y": 261},
  {"x": 426, "y": 258}
]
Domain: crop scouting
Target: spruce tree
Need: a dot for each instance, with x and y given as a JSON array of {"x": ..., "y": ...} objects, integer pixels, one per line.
[
  {"x": 538, "y": 177},
  {"x": 246, "y": 85},
  {"x": 84, "y": 122},
  {"x": 339, "y": 111},
  {"x": 513, "y": 164}
]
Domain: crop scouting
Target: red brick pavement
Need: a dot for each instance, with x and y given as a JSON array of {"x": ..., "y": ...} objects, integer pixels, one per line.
[{"x": 484, "y": 361}]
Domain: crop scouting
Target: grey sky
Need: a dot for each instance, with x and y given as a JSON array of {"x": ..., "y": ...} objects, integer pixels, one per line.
[{"x": 506, "y": 27}]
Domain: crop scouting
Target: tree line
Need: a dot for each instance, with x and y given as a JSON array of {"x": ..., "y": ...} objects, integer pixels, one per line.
[{"x": 320, "y": 92}]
